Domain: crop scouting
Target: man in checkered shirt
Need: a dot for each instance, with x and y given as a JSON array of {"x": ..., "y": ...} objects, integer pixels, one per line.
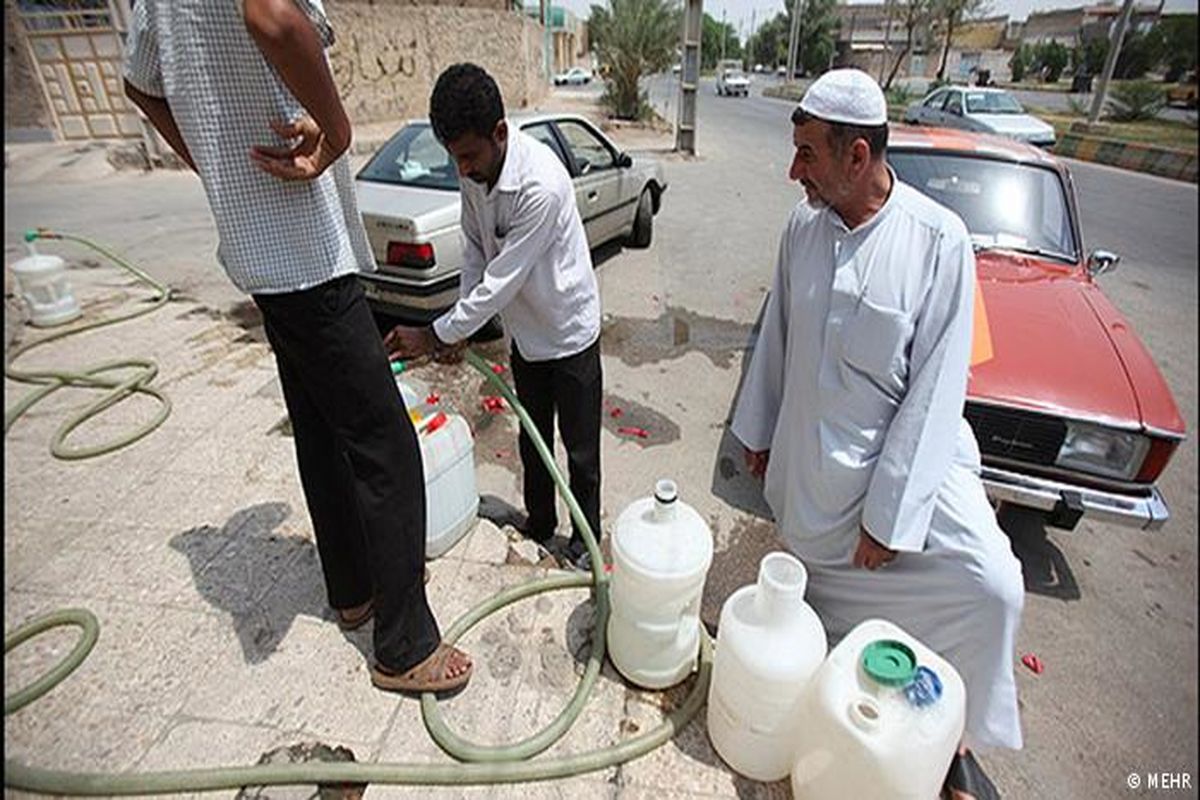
[{"x": 242, "y": 91}]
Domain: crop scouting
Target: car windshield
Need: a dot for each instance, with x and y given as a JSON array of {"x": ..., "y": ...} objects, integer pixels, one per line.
[
  {"x": 413, "y": 157},
  {"x": 992, "y": 103},
  {"x": 1004, "y": 204}
]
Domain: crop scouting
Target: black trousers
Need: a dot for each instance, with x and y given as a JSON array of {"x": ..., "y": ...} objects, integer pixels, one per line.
[
  {"x": 572, "y": 388},
  {"x": 360, "y": 463}
]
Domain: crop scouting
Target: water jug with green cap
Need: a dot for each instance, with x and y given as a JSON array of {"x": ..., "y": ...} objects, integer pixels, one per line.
[{"x": 883, "y": 717}]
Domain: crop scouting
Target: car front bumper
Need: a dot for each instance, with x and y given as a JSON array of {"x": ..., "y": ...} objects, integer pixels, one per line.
[{"x": 1066, "y": 503}]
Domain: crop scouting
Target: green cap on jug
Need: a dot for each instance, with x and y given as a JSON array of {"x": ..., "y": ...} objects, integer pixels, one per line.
[{"x": 889, "y": 663}]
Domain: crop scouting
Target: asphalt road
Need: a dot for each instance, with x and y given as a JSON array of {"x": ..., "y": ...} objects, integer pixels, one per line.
[{"x": 1111, "y": 612}]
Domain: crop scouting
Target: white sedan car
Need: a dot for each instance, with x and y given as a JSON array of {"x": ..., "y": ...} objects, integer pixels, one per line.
[
  {"x": 575, "y": 76},
  {"x": 409, "y": 201},
  {"x": 983, "y": 110}
]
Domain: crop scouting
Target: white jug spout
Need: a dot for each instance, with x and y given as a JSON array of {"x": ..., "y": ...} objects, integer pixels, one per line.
[{"x": 781, "y": 583}]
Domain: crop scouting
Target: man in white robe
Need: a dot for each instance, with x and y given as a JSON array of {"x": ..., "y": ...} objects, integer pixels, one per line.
[{"x": 852, "y": 405}]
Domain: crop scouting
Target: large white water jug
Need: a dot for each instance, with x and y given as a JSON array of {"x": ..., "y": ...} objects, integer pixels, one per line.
[
  {"x": 448, "y": 454},
  {"x": 42, "y": 283},
  {"x": 769, "y": 645},
  {"x": 661, "y": 552},
  {"x": 882, "y": 719}
]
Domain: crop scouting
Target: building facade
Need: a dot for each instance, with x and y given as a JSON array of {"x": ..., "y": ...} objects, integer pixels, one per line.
[{"x": 62, "y": 66}]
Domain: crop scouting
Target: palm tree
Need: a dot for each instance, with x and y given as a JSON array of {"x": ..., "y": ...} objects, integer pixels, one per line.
[{"x": 633, "y": 38}]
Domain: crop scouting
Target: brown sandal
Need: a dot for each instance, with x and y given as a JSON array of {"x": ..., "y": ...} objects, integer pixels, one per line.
[
  {"x": 351, "y": 619},
  {"x": 431, "y": 675}
]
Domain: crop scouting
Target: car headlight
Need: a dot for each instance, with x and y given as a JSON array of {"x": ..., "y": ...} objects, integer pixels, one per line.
[{"x": 1102, "y": 451}]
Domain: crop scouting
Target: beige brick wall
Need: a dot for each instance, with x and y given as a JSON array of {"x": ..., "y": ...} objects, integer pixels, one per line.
[{"x": 387, "y": 56}]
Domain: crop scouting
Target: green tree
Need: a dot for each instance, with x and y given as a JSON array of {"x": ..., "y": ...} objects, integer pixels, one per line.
[
  {"x": 1140, "y": 53},
  {"x": 633, "y": 38},
  {"x": 1088, "y": 58},
  {"x": 1179, "y": 37},
  {"x": 1019, "y": 63},
  {"x": 1051, "y": 59},
  {"x": 817, "y": 24},
  {"x": 768, "y": 45},
  {"x": 710, "y": 42}
]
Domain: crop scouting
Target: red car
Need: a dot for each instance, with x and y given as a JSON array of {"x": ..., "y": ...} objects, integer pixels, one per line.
[{"x": 1071, "y": 414}]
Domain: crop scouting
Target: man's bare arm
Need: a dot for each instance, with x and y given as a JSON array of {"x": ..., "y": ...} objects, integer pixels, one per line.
[
  {"x": 290, "y": 44},
  {"x": 159, "y": 113}
]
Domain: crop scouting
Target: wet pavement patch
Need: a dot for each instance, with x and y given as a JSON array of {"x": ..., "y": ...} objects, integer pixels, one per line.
[
  {"x": 673, "y": 334},
  {"x": 632, "y": 421},
  {"x": 244, "y": 314},
  {"x": 305, "y": 752}
]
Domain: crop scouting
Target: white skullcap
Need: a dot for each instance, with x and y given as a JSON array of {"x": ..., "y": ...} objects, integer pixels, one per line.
[{"x": 848, "y": 96}]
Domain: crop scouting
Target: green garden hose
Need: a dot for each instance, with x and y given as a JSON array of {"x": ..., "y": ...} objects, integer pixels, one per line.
[
  {"x": 486, "y": 765},
  {"x": 51, "y": 380}
]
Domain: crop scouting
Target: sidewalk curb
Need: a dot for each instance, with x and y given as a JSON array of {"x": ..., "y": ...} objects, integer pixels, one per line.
[{"x": 1165, "y": 162}]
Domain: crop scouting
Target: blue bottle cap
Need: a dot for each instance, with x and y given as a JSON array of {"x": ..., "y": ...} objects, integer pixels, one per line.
[{"x": 925, "y": 688}]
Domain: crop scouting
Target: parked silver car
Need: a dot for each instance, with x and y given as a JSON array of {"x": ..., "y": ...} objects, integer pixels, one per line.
[
  {"x": 983, "y": 110},
  {"x": 409, "y": 201}
]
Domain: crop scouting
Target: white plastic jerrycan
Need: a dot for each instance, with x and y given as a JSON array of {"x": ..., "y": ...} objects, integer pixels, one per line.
[
  {"x": 769, "y": 645},
  {"x": 661, "y": 553},
  {"x": 43, "y": 285},
  {"x": 448, "y": 456},
  {"x": 882, "y": 719}
]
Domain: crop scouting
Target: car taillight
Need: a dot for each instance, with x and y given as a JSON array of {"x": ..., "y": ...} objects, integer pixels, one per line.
[
  {"x": 409, "y": 254},
  {"x": 1156, "y": 459}
]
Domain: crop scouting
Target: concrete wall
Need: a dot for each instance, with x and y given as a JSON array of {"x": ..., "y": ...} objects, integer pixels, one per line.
[
  {"x": 388, "y": 56},
  {"x": 25, "y": 106}
]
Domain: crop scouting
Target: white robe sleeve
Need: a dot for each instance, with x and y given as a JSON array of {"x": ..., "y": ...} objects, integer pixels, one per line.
[
  {"x": 922, "y": 437},
  {"x": 761, "y": 395}
]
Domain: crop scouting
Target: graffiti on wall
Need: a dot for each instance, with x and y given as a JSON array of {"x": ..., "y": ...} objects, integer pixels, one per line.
[{"x": 375, "y": 71}]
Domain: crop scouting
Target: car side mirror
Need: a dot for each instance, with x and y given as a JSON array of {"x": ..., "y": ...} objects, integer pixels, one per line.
[
  {"x": 1102, "y": 261},
  {"x": 624, "y": 161}
]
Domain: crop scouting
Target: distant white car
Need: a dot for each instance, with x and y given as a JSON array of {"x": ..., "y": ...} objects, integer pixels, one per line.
[
  {"x": 980, "y": 109},
  {"x": 575, "y": 76},
  {"x": 732, "y": 81},
  {"x": 759, "y": 68},
  {"x": 781, "y": 72}
]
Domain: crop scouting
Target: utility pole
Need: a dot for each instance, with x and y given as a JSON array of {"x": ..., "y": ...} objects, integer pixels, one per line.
[
  {"x": 794, "y": 40},
  {"x": 545, "y": 14},
  {"x": 750, "y": 58},
  {"x": 689, "y": 75},
  {"x": 1110, "y": 62},
  {"x": 722, "y": 34}
]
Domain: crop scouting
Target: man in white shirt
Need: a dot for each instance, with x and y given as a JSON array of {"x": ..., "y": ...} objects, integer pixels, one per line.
[
  {"x": 852, "y": 407},
  {"x": 526, "y": 254},
  {"x": 216, "y": 79}
]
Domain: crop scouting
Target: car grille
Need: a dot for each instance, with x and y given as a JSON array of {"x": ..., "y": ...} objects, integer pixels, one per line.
[{"x": 1016, "y": 435}]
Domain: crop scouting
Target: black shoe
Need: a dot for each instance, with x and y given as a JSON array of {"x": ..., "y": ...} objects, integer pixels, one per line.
[
  {"x": 573, "y": 555},
  {"x": 968, "y": 777}
]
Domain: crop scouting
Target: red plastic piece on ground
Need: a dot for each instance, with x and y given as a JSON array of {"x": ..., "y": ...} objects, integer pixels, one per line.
[
  {"x": 608, "y": 568},
  {"x": 641, "y": 433},
  {"x": 438, "y": 421},
  {"x": 1033, "y": 662},
  {"x": 433, "y": 399},
  {"x": 616, "y": 412},
  {"x": 498, "y": 369},
  {"x": 493, "y": 404}
]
